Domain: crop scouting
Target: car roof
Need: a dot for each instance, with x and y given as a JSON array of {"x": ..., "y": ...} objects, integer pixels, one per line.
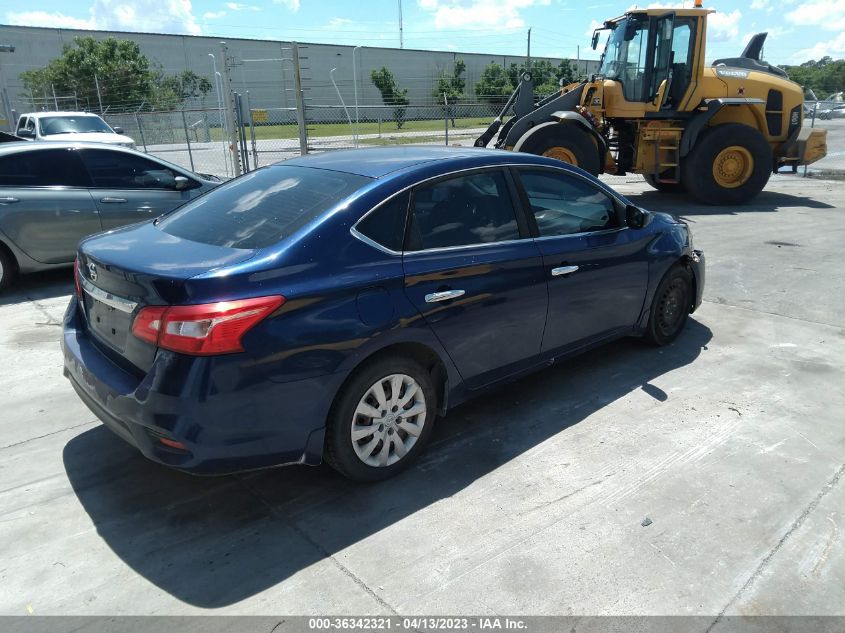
[
  {"x": 16, "y": 146},
  {"x": 381, "y": 161},
  {"x": 58, "y": 113}
]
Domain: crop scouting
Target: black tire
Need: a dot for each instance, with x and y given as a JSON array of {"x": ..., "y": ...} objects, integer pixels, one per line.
[
  {"x": 8, "y": 269},
  {"x": 570, "y": 138},
  {"x": 671, "y": 306},
  {"x": 697, "y": 168},
  {"x": 664, "y": 187},
  {"x": 340, "y": 453}
]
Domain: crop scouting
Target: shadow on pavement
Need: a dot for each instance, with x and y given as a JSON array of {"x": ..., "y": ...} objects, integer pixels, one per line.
[
  {"x": 212, "y": 542},
  {"x": 681, "y": 204},
  {"x": 35, "y": 286}
]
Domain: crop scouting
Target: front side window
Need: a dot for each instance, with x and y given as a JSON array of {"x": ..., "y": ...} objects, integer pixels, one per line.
[
  {"x": 43, "y": 168},
  {"x": 263, "y": 207},
  {"x": 461, "y": 211},
  {"x": 72, "y": 124},
  {"x": 624, "y": 58},
  {"x": 564, "y": 204},
  {"x": 119, "y": 170}
]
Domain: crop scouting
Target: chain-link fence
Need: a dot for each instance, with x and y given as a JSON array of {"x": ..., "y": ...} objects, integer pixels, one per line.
[{"x": 197, "y": 139}]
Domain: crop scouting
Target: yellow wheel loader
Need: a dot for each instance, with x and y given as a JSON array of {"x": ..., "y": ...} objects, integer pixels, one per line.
[{"x": 654, "y": 108}]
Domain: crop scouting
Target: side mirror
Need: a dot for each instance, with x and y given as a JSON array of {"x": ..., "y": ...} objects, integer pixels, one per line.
[
  {"x": 635, "y": 217},
  {"x": 595, "y": 39},
  {"x": 180, "y": 183},
  {"x": 26, "y": 133},
  {"x": 117, "y": 129}
]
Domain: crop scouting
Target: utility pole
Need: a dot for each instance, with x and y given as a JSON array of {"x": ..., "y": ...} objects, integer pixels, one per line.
[
  {"x": 528, "y": 64},
  {"x": 401, "y": 41},
  {"x": 55, "y": 100},
  {"x": 229, "y": 96},
  {"x": 99, "y": 96}
]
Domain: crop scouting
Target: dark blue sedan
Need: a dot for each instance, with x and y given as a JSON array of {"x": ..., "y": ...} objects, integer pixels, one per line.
[{"x": 331, "y": 307}]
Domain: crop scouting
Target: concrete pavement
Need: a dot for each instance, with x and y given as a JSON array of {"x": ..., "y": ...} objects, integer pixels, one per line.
[{"x": 530, "y": 500}]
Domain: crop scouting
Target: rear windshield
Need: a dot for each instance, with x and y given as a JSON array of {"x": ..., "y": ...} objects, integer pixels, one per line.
[{"x": 261, "y": 208}]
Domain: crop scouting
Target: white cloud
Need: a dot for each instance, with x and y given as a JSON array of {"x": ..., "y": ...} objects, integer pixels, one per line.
[
  {"x": 293, "y": 5},
  {"x": 52, "y": 20},
  {"x": 336, "y": 23},
  {"x": 835, "y": 48},
  {"x": 594, "y": 24},
  {"x": 828, "y": 14},
  {"x": 237, "y": 6},
  {"x": 478, "y": 14},
  {"x": 156, "y": 16},
  {"x": 759, "y": 5},
  {"x": 213, "y": 15},
  {"x": 723, "y": 27}
]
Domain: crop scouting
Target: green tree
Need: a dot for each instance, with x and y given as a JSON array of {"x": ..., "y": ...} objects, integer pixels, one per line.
[
  {"x": 824, "y": 77},
  {"x": 494, "y": 86},
  {"x": 125, "y": 76},
  {"x": 391, "y": 93},
  {"x": 451, "y": 87}
]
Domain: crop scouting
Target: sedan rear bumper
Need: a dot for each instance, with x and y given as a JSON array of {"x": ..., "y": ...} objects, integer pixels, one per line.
[{"x": 221, "y": 428}]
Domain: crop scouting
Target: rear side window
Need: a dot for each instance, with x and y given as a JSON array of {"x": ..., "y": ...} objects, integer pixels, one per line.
[
  {"x": 385, "y": 225},
  {"x": 263, "y": 207},
  {"x": 43, "y": 168},
  {"x": 462, "y": 211},
  {"x": 564, "y": 204}
]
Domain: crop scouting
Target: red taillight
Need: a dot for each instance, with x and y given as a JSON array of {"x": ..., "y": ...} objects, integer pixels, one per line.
[
  {"x": 76, "y": 279},
  {"x": 211, "y": 328}
]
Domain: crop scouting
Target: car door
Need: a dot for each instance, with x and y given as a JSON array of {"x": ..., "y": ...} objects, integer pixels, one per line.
[
  {"x": 596, "y": 267},
  {"x": 129, "y": 188},
  {"x": 45, "y": 206},
  {"x": 475, "y": 275}
]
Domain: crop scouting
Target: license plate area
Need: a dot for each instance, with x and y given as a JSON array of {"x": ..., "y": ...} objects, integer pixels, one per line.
[{"x": 109, "y": 316}]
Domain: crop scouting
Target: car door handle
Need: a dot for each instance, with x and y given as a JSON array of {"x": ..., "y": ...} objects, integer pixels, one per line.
[
  {"x": 446, "y": 295},
  {"x": 113, "y": 200},
  {"x": 563, "y": 270},
  {"x": 147, "y": 209},
  {"x": 9, "y": 200}
]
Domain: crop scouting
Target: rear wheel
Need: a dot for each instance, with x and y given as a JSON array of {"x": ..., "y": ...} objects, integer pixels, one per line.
[
  {"x": 8, "y": 269},
  {"x": 569, "y": 144},
  {"x": 381, "y": 420},
  {"x": 671, "y": 306},
  {"x": 665, "y": 187},
  {"x": 730, "y": 164}
]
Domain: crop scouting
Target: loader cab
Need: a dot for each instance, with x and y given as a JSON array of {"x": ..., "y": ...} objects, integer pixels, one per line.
[{"x": 652, "y": 55}]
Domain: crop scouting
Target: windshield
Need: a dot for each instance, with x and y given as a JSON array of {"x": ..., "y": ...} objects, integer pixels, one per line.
[
  {"x": 263, "y": 207},
  {"x": 624, "y": 57},
  {"x": 72, "y": 124}
]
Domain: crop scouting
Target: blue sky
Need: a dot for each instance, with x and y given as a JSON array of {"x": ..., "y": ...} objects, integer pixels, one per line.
[{"x": 797, "y": 30}]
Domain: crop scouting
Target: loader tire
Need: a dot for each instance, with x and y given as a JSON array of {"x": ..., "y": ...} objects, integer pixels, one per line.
[
  {"x": 730, "y": 164},
  {"x": 569, "y": 144},
  {"x": 665, "y": 187}
]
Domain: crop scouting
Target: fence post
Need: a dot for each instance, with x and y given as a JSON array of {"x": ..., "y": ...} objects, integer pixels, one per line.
[
  {"x": 300, "y": 102},
  {"x": 241, "y": 132},
  {"x": 446, "y": 117},
  {"x": 187, "y": 139},
  {"x": 141, "y": 131},
  {"x": 252, "y": 132}
]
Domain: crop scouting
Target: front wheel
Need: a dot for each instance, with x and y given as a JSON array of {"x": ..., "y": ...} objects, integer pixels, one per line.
[
  {"x": 566, "y": 143},
  {"x": 8, "y": 269},
  {"x": 381, "y": 420},
  {"x": 670, "y": 307}
]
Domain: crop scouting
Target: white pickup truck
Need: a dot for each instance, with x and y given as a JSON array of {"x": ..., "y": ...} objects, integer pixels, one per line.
[{"x": 70, "y": 126}]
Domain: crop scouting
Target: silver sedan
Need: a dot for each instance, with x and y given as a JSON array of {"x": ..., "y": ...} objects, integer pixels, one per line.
[{"x": 54, "y": 194}]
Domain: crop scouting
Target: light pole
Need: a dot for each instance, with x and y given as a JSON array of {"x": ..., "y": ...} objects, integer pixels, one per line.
[
  {"x": 7, "y": 105},
  {"x": 355, "y": 81},
  {"x": 217, "y": 82}
]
